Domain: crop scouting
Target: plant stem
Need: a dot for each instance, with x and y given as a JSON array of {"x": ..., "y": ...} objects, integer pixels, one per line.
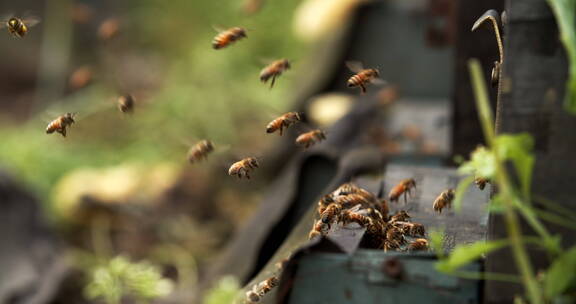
[{"x": 505, "y": 187}]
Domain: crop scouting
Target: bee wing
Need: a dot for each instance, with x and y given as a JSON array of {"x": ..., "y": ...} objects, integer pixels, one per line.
[
  {"x": 378, "y": 81},
  {"x": 219, "y": 28},
  {"x": 357, "y": 208},
  {"x": 355, "y": 66},
  {"x": 4, "y": 20},
  {"x": 31, "y": 21}
]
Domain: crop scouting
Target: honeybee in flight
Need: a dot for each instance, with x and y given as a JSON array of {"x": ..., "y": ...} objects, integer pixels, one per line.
[
  {"x": 227, "y": 37},
  {"x": 126, "y": 103},
  {"x": 200, "y": 151},
  {"x": 243, "y": 167},
  {"x": 404, "y": 187},
  {"x": 418, "y": 245},
  {"x": 19, "y": 27},
  {"x": 273, "y": 70},
  {"x": 109, "y": 29},
  {"x": 363, "y": 76},
  {"x": 282, "y": 122},
  {"x": 60, "y": 124},
  {"x": 310, "y": 138},
  {"x": 481, "y": 182},
  {"x": 444, "y": 200}
]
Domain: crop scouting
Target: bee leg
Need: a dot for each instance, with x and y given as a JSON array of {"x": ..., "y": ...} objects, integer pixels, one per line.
[
  {"x": 362, "y": 89},
  {"x": 281, "y": 129},
  {"x": 273, "y": 81},
  {"x": 63, "y": 132}
]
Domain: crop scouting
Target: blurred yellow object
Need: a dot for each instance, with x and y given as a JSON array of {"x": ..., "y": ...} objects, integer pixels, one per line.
[
  {"x": 316, "y": 18},
  {"x": 326, "y": 109},
  {"x": 128, "y": 183}
]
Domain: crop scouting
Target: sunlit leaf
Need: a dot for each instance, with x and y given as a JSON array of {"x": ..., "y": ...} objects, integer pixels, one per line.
[
  {"x": 482, "y": 163},
  {"x": 518, "y": 149},
  {"x": 464, "y": 254},
  {"x": 461, "y": 190},
  {"x": 224, "y": 292},
  {"x": 562, "y": 274},
  {"x": 565, "y": 12}
]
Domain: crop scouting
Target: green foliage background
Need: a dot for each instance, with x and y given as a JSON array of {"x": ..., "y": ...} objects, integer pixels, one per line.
[{"x": 204, "y": 93}]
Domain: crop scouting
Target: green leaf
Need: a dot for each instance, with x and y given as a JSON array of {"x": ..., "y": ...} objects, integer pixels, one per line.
[
  {"x": 496, "y": 204},
  {"x": 482, "y": 99},
  {"x": 482, "y": 163},
  {"x": 464, "y": 254},
  {"x": 223, "y": 293},
  {"x": 437, "y": 241},
  {"x": 565, "y": 12},
  {"x": 561, "y": 274},
  {"x": 518, "y": 149},
  {"x": 461, "y": 190}
]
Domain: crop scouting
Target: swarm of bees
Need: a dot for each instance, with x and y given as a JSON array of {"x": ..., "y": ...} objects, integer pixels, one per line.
[
  {"x": 225, "y": 38},
  {"x": 351, "y": 204}
]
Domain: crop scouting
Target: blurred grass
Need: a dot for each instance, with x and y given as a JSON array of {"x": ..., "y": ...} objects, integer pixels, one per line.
[{"x": 204, "y": 93}]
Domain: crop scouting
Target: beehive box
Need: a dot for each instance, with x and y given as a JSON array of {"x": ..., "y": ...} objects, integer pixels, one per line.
[{"x": 335, "y": 270}]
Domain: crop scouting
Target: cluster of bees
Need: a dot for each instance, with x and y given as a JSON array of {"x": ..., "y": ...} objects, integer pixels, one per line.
[
  {"x": 19, "y": 28},
  {"x": 352, "y": 204}
]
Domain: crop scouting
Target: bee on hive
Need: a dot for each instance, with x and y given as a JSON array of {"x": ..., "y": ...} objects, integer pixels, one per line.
[
  {"x": 318, "y": 229},
  {"x": 418, "y": 245},
  {"x": 400, "y": 216}
]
